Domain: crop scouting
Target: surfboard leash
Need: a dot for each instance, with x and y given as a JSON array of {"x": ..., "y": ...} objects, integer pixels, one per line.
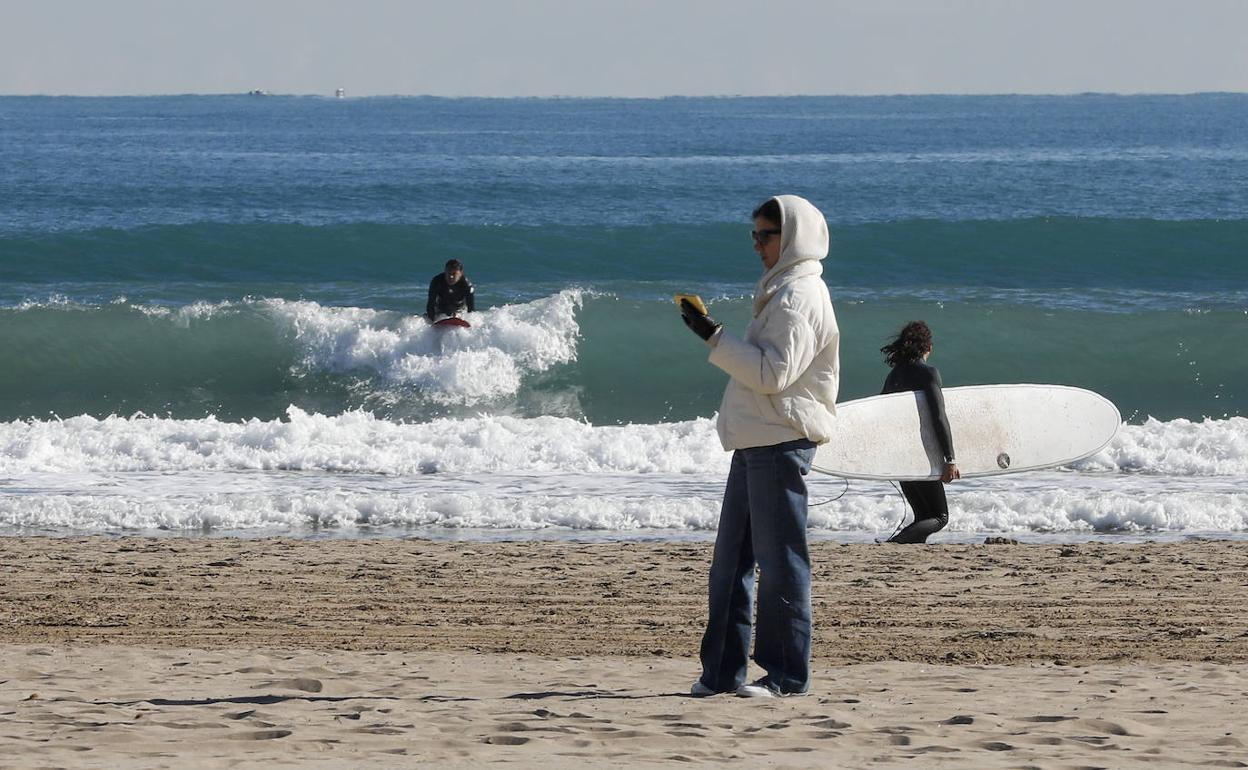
[
  {"x": 832, "y": 499},
  {"x": 905, "y": 508}
]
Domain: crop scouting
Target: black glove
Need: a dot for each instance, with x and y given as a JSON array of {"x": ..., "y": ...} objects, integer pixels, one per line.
[{"x": 701, "y": 323}]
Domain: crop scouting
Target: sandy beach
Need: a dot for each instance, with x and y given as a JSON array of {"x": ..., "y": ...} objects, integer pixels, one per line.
[{"x": 344, "y": 653}]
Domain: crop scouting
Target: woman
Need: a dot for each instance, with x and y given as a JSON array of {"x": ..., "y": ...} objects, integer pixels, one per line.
[
  {"x": 907, "y": 355},
  {"x": 778, "y": 406}
]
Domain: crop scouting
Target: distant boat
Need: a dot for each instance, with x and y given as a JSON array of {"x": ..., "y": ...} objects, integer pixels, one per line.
[
  {"x": 340, "y": 94},
  {"x": 258, "y": 92}
]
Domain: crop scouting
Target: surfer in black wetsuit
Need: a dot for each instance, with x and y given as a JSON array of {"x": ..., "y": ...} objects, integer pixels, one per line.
[
  {"x": 450, "y": 293},
  {"x": 907, "y": 355}
]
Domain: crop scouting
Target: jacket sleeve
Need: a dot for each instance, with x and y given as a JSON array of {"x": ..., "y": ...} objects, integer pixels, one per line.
[
  {"x": 940, "y": 422},
  {"x": 432, "y": 304},
  {"x": 776, "y": 362},
  {"x": 471, "y": 298}
]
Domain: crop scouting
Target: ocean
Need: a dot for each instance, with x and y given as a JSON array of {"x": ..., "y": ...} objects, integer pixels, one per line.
[{"x": 209, "y": 305}]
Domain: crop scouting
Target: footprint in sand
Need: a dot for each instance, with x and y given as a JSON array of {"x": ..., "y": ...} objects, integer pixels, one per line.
[
  {"x": 506, "y": 740},
  {"x": 1113, "y": 728},
  {"x": 1096, "y": 740},
  {"x": 188, "y": 725},
  {"x": 1037, "y": 739},
  {"x": 831, "y": 724},
  {"x": 261, "y": 735},
  {"x": 379, "y": 730},
  {"x": 304, "y": 685}
]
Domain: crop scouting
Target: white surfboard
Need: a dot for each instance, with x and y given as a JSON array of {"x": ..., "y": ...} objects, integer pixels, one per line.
[{"x": 996, "y": 429}]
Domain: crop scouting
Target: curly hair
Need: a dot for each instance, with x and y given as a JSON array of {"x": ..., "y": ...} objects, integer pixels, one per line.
[{"x": 912, "y": 342}]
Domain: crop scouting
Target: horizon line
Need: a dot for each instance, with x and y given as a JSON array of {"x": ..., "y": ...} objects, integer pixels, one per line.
[{"x": 900, "y": 94}]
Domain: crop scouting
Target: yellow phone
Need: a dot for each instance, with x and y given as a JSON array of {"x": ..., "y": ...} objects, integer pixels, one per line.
[{"x": 694, "y": 300}]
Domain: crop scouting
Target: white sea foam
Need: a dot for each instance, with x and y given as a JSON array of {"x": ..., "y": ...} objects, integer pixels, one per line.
[
  {"x": 356, "y": 442},
  {"x": 494, "y": 472},
  {"x": 361, "y": 443},
  {"x": 1053, "y": 502},
  {"x": 1178, "y": 448},
  {"x": 347, "y": 510},
  {"x": 617, "y": 503},
  {"x": 448, "y": 366},
  {"x": 58, "y": 301}
]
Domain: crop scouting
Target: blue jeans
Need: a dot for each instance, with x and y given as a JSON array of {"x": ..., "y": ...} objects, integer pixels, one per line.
[{"x": 763, "y": 522}]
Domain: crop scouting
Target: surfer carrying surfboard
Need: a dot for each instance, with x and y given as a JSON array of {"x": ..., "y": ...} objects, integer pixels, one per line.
[
  {"x": 907, "y": 356},
  {"x": 779, "y": 405},
  {"x": 450, "y": 293}
]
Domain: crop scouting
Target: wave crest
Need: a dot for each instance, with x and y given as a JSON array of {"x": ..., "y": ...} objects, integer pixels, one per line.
[
  {"x": 446, "y": 366},
  {"x": 1178, "y": 448}
]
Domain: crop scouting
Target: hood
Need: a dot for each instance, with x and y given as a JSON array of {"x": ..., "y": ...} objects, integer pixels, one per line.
[{"x": 803, "y": 243}]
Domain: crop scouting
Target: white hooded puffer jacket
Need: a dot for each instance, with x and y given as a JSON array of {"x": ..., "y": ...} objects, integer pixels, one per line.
[{"x": 786, "y": 372}]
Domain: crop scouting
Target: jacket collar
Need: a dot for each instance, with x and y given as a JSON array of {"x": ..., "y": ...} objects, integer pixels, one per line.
[{"x": 772, "y": 282}]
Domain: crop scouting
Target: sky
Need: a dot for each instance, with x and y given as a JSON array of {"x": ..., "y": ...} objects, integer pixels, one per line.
[{"x": 635, "y": 48}]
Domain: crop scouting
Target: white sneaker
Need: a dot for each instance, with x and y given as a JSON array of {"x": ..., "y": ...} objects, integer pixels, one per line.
[
  {"x": 700, "y": 690},
  {"x": 757, "y": 689}
]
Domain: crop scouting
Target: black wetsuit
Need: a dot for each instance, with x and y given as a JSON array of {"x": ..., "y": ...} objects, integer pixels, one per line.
[
  {"x": 927, "y": 498},
  {"x": 445, "y": 299}
]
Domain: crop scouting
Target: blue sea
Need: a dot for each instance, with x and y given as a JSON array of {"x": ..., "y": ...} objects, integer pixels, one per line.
[{"x": 209, "y": 305}]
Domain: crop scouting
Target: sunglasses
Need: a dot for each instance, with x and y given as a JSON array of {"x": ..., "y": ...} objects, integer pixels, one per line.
[{"x": 762, "y": 236}]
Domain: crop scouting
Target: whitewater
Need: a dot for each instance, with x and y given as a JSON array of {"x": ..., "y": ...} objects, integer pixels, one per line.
[
  {"x": 210, "y": 306},
  {"x": 353, "y": 473},
  {"x": 492, "y": 474}
]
